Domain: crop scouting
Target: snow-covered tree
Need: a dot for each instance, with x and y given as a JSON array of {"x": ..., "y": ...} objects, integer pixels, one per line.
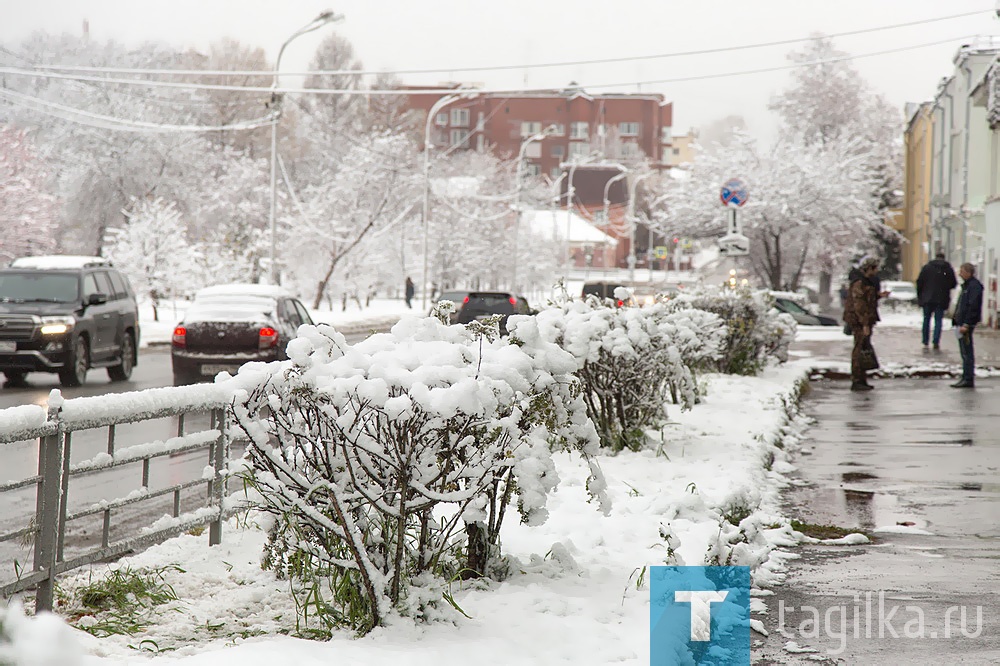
[
  {"x": 829, "y": 101},
  {"x": 153, "y": 251},
  {"x": 28, "y": 213},
  {"x": 810, "y": 203},
  {"x": 374, "y": 186}
]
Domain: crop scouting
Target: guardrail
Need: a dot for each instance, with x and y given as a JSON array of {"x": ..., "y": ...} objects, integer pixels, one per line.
[{"x": 54, "y": 426}]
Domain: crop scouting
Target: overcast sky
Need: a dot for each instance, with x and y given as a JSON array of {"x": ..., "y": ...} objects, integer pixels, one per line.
[{"x": 449, "y": 34}]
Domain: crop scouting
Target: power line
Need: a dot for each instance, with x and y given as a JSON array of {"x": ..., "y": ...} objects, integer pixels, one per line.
[
  {"x": 487, "y": 68},
  {"x": 499, "y": 91},
  {"x": 101, "y": 121}
]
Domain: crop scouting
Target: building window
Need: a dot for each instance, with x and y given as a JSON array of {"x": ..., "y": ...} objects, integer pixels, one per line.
[
  {"x": 677, "y": 151},
  {"x": 441, "y": 118},
  {"x": 599, "y": 217},
  {"x": 441, "y": 137},
  {"x": 460, "y": 137},
  {"x": 578, "y": 150},
  {"x": 558, "y": 150},
  {"x": 460, "y": 117},
  {"x": 533, "y": 169},
  {"x": 628, "y": 129},
  {"x": 579, "y": 130},
  {"x": 533, "y": 150},
  {"x": 555, "y": 172},
  {"x": 666, "y": 134},
  {"x": 558, "y": 129},
  {"x": 629, "y": 149},
  {"x": 530, "y": 129}
]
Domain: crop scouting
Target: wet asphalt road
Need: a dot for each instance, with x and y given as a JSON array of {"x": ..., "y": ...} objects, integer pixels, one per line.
[{"x": 922, "y": 460}]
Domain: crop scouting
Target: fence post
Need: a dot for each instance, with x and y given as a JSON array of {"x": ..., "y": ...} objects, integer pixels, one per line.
[
  {"x": 220, "y": 484},
  {"x": 48, "y": 509}
]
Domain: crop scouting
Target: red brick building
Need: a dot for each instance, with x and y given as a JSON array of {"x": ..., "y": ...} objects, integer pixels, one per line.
[
  {"x": 622, "y": 127},
  {"x": 626, "y": 129}
]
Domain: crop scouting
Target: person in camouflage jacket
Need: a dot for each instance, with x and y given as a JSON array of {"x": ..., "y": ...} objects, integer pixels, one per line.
[{"x": 861, "y": 314}]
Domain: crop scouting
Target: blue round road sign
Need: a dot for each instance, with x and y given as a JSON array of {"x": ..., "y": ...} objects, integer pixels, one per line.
[{"x": 734, "y": 193}]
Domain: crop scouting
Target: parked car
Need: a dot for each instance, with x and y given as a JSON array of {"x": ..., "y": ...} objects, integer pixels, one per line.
[
  {"x": 456, "y": 296},
  {"x": 66, "y": 314},
  {"x": 229, "y": 325},
  {"x": 606, "y": 291},
  {"x": 802, "y": 316},
  {"x": 483, "y": 304},
  {"x": 901, "y": 294}
]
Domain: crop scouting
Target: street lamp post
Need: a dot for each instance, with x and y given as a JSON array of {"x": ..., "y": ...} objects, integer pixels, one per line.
[
  {"x": 519, "y": 177},
  {"x": 437, "y": 106},
  {"x": 276, "y": 97},
  {"x": 631, "y": 218},
  {"x": 570, "y": 194}
]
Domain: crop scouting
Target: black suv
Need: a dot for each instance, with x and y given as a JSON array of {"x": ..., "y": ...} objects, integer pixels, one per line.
[{"x": 66, "y": 314}]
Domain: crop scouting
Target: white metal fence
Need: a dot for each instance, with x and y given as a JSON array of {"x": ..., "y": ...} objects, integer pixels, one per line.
[{"x": 199, "y": 423}]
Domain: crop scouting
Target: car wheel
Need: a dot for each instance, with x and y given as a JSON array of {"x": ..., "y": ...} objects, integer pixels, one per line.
[
  {"x": 121, "y": 372},
  {"x": 75, "y": 372},
  {"x": 15, "y": 377}
]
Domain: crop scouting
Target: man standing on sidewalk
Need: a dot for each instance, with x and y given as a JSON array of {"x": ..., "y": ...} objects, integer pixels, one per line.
[
  {"x": 968, "y": 312},
  {"x": 861, "y": 313},
  {"x": 934, "y": 285}
]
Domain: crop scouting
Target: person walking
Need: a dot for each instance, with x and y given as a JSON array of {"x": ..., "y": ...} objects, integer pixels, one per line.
[
  {"x": 410, "y": 290},
  {"x": 968, "y": 312},
  {"x": 861, "y": 314},
  {"x": 934, "y": 285}
]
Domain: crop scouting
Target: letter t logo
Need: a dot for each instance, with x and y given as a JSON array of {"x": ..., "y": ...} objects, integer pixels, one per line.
[{"x": 701, "y": 610}]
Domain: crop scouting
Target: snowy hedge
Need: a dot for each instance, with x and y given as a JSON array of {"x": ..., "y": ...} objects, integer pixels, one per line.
[
  {"x": 631, "y": 361},
  {"x": 374, "y": 458},
  {"x": 755, "y": 331}
]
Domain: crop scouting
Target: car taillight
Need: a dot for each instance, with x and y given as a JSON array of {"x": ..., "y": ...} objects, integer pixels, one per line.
[
  {"x": 268, "y": 338},
  {"x": 466, "y": 300},
  {"x": 179, "y": 338},
  {"x": 621, "y": 303},
  {"x": 513, "y": 301}
]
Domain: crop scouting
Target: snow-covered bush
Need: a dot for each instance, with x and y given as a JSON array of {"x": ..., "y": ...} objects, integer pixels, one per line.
[
  {"x": 754, "y": 331},
  {"x": 372, "y": 457},
  {"x": 631, "y": 361}
]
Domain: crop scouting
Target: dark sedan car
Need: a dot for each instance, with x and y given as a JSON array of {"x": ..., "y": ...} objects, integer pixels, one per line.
[
  {"x": 483, "y": 304},
  {"x": 802, "y": 316},
  {"x": 456, "y": 296},
  {"x": 229, "y": 325}
]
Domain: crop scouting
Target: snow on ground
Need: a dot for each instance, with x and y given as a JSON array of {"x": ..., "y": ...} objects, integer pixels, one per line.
[{"x": 572, "y": 596}]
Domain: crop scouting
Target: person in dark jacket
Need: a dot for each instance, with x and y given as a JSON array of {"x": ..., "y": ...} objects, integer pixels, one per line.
[
  {"x": 409, "y": 292},
  {"x": 934, "y": 285},
  {"x": 968, "y": 312},
  {"x": 861, "y": 313}
]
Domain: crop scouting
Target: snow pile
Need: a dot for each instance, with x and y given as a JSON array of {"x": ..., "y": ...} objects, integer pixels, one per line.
[{"x": 43, "y": 640}]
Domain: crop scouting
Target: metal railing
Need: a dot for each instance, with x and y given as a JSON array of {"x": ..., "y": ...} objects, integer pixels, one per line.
[{"x": 54, "y": 428}]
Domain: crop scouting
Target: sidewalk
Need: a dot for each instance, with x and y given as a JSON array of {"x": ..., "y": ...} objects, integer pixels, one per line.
[
  {"x": 897, "y": 342},
  {"x": 912, "y": 464}
]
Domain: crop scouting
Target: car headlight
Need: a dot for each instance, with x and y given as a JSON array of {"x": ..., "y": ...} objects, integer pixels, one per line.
[{"x": 57, "y": 325}]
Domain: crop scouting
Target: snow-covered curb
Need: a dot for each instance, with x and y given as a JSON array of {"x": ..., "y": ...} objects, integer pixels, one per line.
[{"x": 572, "y": 595}]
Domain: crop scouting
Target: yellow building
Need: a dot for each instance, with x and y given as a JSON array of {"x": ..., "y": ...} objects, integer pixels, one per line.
[
  {"x": 682, "y": 149},
  {"x": 915, "y": 223}
]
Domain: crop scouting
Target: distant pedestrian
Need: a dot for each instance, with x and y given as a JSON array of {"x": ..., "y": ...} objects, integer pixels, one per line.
[
  {"x": 410, "y": 290},
  {"x": 861, "y": 313},
  {"x": 968, "y": 312},
  {"x": 934, "y": 285}
]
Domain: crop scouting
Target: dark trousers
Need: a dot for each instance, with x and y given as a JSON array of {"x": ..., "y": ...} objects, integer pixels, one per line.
[
  {"x": 938, "y": 312},
  {"x": 968, "y": 357},
  {"x": 858, "y": 376}
]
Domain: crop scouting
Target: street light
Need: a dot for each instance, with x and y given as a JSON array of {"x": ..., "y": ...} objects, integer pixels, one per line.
[
  {"x": 570, "y": 193},
  {"x": 318, "y": 22},
  {"x": 519, "y": 177},
  {"x": 631, "y": 218},
  {"x": 437, "y": 106}
]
